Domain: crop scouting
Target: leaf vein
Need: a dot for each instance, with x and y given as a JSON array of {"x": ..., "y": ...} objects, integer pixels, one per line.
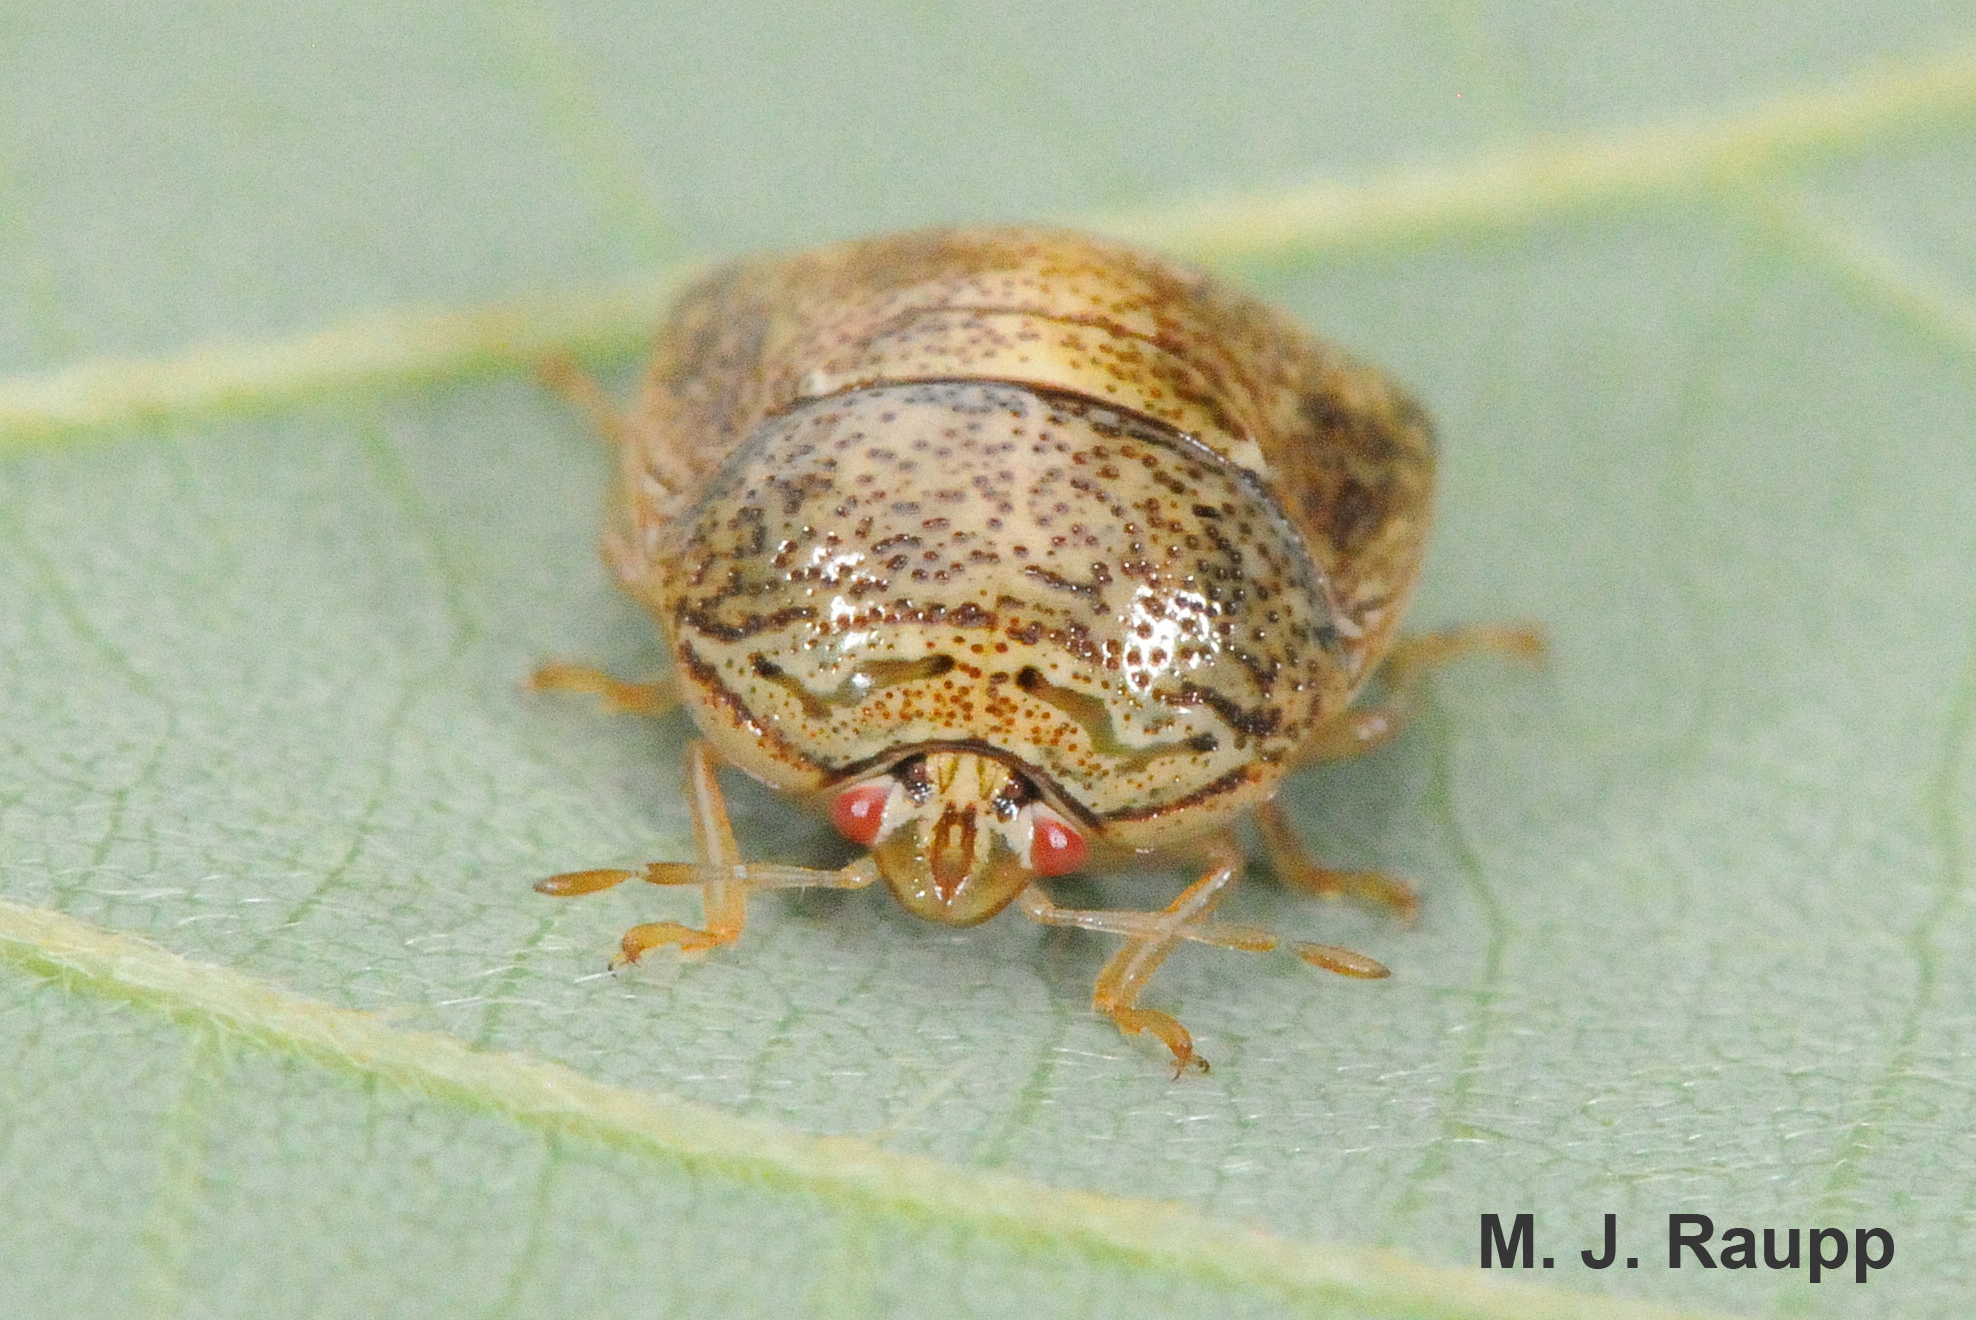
[
  {"x": 1506, "y": 188},
  {"x": 858, "y": 1177}
]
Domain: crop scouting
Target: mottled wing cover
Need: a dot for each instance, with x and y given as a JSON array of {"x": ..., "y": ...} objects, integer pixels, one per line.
[{"x": 1347, "y": 454}]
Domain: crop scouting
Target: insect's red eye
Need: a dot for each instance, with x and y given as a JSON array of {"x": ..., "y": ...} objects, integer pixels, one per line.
[
  {"x": 1054, "y": 848},
  {"x": 858, "y": 812}
]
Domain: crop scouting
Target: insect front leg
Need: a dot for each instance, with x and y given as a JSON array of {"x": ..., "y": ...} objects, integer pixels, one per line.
[
  {"x": 724, "y": 880},
  {"x": 1150, "y": 937}
]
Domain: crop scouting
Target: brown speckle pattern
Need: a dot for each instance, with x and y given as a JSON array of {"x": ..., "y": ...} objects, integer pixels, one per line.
[{"x": 1024, "y": 491}]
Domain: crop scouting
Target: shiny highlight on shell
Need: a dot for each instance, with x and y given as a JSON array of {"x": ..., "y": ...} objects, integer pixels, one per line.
[
  {"x": 1024, "y": 491},
  {"x": 1009, "y": 550}
]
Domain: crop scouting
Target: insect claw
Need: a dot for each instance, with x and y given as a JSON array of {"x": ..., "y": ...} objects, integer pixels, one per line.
[
  {"x": 1163, "y": 1027},
  {"x": 641, "y": 940}
]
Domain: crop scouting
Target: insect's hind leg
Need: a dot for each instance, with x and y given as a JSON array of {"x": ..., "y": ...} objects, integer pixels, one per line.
[
  {"x": 560, "y": 374},
  {"x": 1404, "y": 674},
  {"x": 634, "y": 437},
  {"x": 1356, "y": 732}
]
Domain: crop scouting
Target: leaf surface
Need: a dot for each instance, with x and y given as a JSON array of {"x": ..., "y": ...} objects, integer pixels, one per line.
[{"x": 283, "y": 523}]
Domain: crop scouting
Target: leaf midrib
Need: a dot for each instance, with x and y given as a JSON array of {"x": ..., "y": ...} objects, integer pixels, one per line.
[
  {"x": 89, "y": 960},
  {"x": 1723, "y": 155}
]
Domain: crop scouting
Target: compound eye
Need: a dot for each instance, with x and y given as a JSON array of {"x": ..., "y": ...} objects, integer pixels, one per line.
[
  {"x": 1054, "y": 847},
  {"x": 859, "y": 811}
]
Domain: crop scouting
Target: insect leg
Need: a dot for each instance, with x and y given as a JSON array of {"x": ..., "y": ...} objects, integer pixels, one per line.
[
  {"x": 724, "y": 903},
  {"x": 1294, "y": 867},
  {"x": 654, "y": 698},
  {"x": 723, "y": 878},
  {"x": 1149, "y": 938},
  {"x": 1404, "y": 673},
  {"x": 576, "y": 387}
]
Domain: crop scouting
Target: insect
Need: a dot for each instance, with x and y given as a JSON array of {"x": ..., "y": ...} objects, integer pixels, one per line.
[{"x": 1015, "y": 553}]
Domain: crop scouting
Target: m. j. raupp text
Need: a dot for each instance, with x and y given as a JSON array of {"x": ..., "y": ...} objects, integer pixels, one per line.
[{"x": 1692, "y": 1239}]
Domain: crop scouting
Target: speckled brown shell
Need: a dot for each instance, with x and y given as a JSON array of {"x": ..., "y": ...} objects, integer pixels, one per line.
[{"x": 1024, "y": 491}]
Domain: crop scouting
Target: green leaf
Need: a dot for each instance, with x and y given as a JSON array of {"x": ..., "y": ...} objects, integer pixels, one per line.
[{"x": 283, "y": 523}]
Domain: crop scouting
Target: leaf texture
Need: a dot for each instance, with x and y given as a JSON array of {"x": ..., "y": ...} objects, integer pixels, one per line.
[{"x": 283, "y": 522}]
